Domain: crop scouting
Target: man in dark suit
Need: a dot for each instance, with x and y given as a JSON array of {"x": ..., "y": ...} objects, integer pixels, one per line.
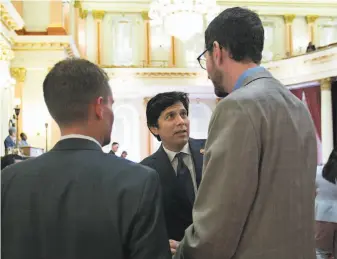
[
  {"x": 114, "y": 148},
  {"x": 76, "y": 202},
  {"x": 178, "y": 160}
]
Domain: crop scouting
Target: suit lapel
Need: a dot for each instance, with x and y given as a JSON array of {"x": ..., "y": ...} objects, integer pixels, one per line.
[{"x": 197, "y": 160}]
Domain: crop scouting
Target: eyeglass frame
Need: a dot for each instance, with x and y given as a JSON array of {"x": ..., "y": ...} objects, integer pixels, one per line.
[{"x": 203, "y": 53}]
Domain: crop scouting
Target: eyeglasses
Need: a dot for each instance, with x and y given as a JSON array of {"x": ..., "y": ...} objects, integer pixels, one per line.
[{"x": 202, "y": 60}]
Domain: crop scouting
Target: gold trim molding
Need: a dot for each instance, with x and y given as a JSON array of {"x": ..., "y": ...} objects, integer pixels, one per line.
[
  {"x": 311, "y": 18},
  {"x": 98, "y": 15},
  {"x": 40, "y": 46},
  {"x": 7, "y": 20},
  {"x": 19, "y": 73},
  {"x": 167, "y": 74},
  {"x": 321, "y": 59},
  {"x": 289, "y": 18},
  {"x": 325, "y": 84},
  {"x": 83, "y": 14},
  {"x": 145, "y": 15},
  {"x": 6, "y": 53}
]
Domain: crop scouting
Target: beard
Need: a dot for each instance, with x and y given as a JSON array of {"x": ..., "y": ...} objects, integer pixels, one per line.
[{"x": 217, "y": 79}]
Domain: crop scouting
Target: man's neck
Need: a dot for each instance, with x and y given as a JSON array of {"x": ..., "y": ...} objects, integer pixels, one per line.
[
  {"x": 176, "y": 148},
  {"x": 237, "y": 70},
  {"x": 79, "y": 131}
]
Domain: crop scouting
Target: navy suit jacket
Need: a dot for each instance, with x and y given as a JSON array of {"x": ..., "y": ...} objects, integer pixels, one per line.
[
  {"x": 177, "y": 206},
  {"x": 76, "y": 202}
]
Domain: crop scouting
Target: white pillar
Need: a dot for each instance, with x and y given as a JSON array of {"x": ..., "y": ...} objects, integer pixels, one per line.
[
  {"x": 91, "y": 36},
  {"x": 6, "y": 92},
  {"x": 326, "y": 119}
]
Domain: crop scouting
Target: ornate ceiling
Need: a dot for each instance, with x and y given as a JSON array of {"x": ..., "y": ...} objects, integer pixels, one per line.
[{"x": 266, "y": 7}]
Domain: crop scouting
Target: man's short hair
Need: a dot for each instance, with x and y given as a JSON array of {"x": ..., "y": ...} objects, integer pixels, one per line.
[
  {"x": 161, "y": 102},
  {"x": 11, "y": 130},
  {"x": 114, "y": 143},
  {"x": 240, "y": 32},
  {"x": 69, "y": 88}
]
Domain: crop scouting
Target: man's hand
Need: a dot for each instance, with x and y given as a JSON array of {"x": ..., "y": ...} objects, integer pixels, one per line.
[{"x": 173, "y": 245}]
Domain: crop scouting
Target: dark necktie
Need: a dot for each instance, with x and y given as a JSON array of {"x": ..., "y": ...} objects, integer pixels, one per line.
[{"x": 184, "y": 178}]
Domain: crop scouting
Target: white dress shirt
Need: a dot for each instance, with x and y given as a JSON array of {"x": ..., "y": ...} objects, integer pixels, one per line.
[
  {"x": 80, "y": 136},
  {"x": 188, "y": 160}
]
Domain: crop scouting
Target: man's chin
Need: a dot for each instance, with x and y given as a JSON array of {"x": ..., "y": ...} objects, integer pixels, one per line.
[{"x": 220, "y": 94}]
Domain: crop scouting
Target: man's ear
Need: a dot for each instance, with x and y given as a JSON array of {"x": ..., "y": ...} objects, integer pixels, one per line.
[
  {"x": 154, "y": 130},
  {"x": 98, "y": 107}
]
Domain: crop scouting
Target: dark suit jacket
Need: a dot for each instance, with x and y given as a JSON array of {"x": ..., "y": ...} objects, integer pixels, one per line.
[
  {"x": 177, "y": 207},
  {"x": 112, "y": 153},
  {"x": 76, "y": 202},
  {"x": 9, "y": 142}
]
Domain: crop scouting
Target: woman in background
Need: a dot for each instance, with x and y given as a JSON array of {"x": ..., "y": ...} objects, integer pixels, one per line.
[{"x": 326, "y": 209}]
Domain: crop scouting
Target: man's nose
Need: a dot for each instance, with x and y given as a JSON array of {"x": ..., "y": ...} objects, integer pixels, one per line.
[{"x": 180, "y": 120}]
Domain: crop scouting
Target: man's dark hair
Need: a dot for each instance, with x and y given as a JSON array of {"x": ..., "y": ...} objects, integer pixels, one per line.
[
  {"x": 114, "y": 143},
  {"x": 329, "y": 172},
  {"x": 69, "y": 88},
  {"x": 161, "y": 102},
  {"x": 240, "y": 32},
  {"x": 9, "y": 160}
]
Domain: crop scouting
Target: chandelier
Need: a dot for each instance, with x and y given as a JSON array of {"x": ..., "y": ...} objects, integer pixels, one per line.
[{"x": 182, "y": 18}]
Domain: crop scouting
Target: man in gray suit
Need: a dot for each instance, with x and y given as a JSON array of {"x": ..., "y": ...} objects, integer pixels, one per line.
[{"x": 256, "y": 199}]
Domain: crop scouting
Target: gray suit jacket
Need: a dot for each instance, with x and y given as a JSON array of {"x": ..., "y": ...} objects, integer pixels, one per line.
[{"x": 256, "y": 198}]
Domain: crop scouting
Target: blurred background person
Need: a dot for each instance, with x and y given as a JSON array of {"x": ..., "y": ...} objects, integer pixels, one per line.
[
  {"x": 23, "y": 142},
  {"x": 326, "y": 209},
  {"x": 124, "y": 154},
  {"x": 10, "y": 159},
  {"x": 114, "y": 148},
  {"x": 10, "y": 140}
]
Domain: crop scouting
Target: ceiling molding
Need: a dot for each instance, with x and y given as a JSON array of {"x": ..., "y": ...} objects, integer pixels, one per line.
[
  {"x": 9, "y": 16},
  {"x": 167, "y": 74},
  {"x": 46, "y": 43},
  {"x": 266, "y": 7}
]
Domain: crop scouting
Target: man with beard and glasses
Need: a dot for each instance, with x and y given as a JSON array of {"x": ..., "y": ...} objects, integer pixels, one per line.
[
  {"x": 76, "y": 201},
  {"x": 178, "y": 161},
  {"x": 256, "y": 198}
]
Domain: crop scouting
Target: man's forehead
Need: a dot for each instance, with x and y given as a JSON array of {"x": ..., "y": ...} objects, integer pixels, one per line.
[{"x": 175, "y": 108}]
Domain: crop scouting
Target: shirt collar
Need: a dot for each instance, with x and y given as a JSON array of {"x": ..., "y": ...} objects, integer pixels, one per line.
[
  {"x": 80, "y": 136},
  {"x": 171, "y": 154},
  {"x": 244, "y": 75}
]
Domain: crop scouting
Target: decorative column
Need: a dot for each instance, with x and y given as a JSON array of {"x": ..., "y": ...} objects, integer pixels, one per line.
[
  {"x": 6, "y": 93},
  {"x": 19, "y": 73},
  {"x": 311, "y": 19},
  {"x": 98, "y": 16},
  {"x": 90, "y": 35},
  {"x": 173, "y": 52},
  {"x": 288, "y": 19},
  {"x": 81, "y": 28},
  {"x": 326, "y": 119},
  {"x": 147, "y": 29}
]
